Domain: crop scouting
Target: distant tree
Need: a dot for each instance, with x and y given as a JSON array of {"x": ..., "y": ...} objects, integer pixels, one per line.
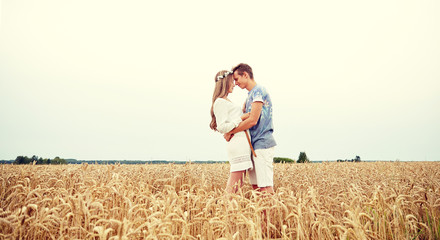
[
  {"x": 303, "y": 158},
  {"x": 34, "y": 159},
  {"x": 72, "y": 161},
  {"x": 22, "y": 160},
  {"x": 19, "y": 160},
  {"x": 58, "y": 160}
]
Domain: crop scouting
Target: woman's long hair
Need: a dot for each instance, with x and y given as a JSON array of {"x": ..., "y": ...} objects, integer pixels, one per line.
[{"x": 223, "y": 81}]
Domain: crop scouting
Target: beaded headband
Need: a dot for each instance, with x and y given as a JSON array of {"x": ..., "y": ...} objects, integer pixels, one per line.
[{"x": 224, "y": 75}]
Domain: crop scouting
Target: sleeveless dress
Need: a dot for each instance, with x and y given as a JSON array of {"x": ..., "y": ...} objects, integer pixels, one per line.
[{"x": 228, "y": 117}]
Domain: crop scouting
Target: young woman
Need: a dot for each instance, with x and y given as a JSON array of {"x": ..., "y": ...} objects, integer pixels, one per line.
[{"x": 225, "y": 117}]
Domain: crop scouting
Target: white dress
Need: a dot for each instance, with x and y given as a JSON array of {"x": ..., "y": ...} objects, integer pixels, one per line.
[{"x": 228, "y": 117}]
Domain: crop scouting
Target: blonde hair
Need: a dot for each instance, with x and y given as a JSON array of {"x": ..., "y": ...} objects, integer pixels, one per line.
[{"x": 223, "y": 81}]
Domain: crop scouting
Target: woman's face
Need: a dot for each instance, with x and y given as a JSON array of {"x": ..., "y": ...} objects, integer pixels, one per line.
[{"x": 231, "y": 85}]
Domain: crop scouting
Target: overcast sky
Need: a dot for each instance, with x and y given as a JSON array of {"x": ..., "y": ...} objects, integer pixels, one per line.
[{"x": 133, "y": 80}]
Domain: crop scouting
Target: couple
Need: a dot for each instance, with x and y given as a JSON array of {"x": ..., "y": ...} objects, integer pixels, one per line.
[{"x": 234, "y": 122}]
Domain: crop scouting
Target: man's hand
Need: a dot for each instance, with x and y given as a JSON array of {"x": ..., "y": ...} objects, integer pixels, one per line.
[{"x": 228, "y": 136}]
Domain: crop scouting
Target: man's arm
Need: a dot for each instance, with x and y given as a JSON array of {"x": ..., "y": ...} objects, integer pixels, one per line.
[{"x": 249, "y": 122}]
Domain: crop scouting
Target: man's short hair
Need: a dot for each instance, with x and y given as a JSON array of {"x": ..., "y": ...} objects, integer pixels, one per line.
[{"x": 243, "y": 67}]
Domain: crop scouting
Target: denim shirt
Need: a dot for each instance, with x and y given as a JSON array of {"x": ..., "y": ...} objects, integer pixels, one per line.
[{"x": 261, "y": 133}]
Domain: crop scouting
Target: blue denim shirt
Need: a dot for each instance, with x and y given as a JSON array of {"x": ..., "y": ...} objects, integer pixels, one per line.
[{"x": 261, "y": 134}]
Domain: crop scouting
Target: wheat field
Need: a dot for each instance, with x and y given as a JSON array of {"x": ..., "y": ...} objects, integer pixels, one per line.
[{"x": 381, "y": 200}]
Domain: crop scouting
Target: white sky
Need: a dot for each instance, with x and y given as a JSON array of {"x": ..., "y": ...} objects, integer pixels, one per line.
[{"x": 134, "y": 79}]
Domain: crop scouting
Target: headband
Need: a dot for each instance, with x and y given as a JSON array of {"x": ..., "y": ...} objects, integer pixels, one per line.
[{"x": 224, "y": 75}]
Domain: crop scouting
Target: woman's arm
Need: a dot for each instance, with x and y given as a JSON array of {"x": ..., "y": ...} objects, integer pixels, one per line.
[{"x": 221, "y": 112}]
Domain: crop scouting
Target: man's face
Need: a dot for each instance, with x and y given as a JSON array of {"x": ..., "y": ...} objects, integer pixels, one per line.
[{"x": 240, "y": 80}]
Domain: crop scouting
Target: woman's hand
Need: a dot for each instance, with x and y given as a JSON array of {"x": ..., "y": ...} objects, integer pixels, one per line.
[
  {"x": 245, "y": 116},
  {"x": 228, "y": 136}
]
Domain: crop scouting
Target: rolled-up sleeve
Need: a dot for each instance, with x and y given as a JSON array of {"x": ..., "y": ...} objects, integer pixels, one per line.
[
  {"x": 257, "y": 96},
  {"x": 221, "y": 112}
]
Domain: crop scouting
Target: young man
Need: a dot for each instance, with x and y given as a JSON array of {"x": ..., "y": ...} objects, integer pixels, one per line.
[{"x": 260, "y": 125}]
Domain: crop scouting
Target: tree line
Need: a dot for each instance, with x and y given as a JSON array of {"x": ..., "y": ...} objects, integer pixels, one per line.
[
  {"x": 58, "y": 160},
  {"x": 36, "y": 160},
  {"x": 357, "y": 159},
  {"x": 302, "y": 158}
]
